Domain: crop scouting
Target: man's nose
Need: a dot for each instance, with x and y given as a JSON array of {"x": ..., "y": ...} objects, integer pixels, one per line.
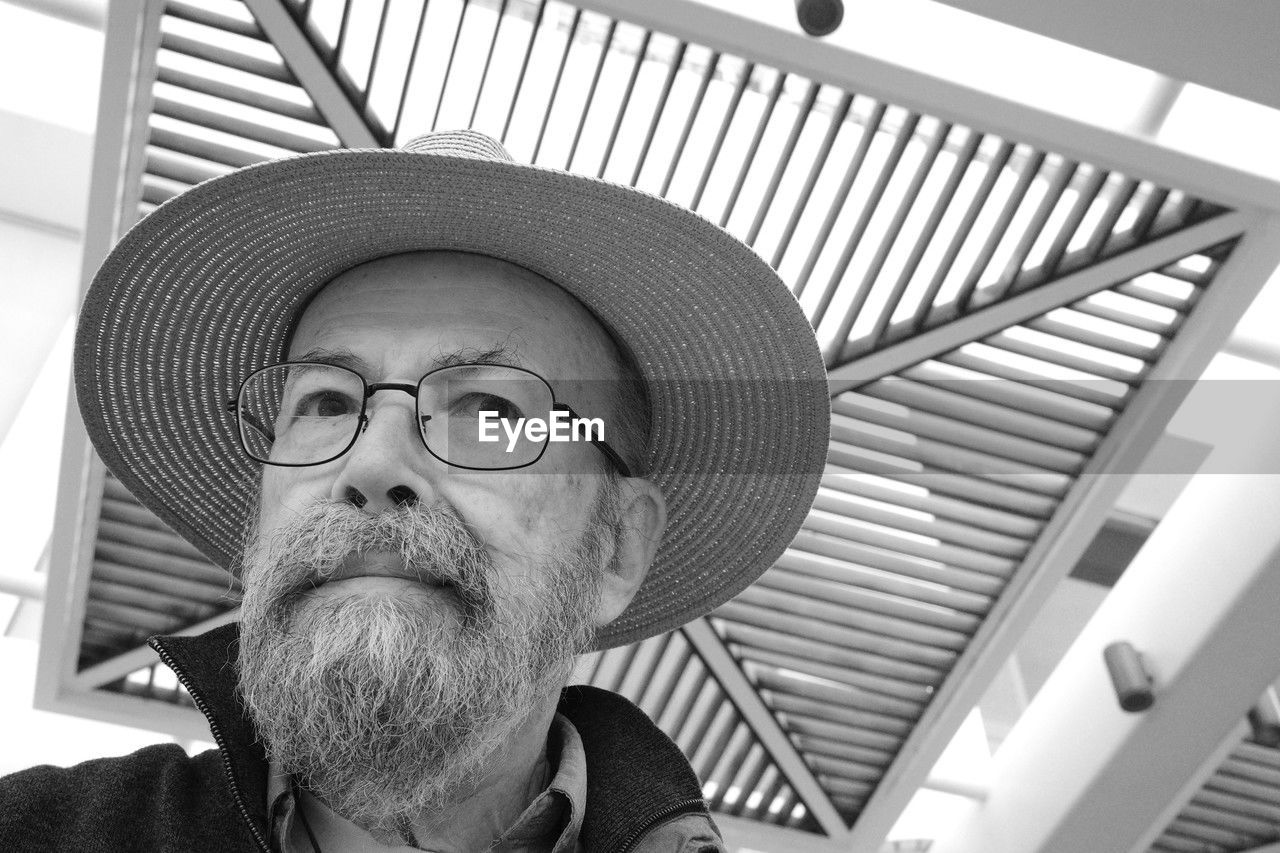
[{"x": 388, "y": 467}]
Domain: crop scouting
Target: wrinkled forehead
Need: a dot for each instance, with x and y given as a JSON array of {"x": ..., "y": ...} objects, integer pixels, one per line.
[{"x": 446, "y": 305}]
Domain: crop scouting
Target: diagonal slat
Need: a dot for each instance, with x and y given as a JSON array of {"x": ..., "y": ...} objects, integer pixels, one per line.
[
  {"x": 668, "y": 83},
  {"x": 196, "y": 49},
  {"x": 858, "y": 649},
  {"x": 1067, "y": 232},
  {"x": 749, "y": 159},
  {"x": 708, "y": 72},
  {"x": 977, "y": 203},
  {"x": 1014, "y": 525},
  {"x": 352, "y": 128},
  {"x": 886, "y": 244},
  {"x": 708, "y": 645},
  {"x": 624, "y": 102},
  {"x": 890, "y": 165},
  {"x": 413, "y": 61},
  {"x": 238, "y": 94},
  {"x": 869, "y": 131},
  {"x": 803, "y": 114},
  {"x": 1017, "y": 309},
  {"x": 832, "y": 499},
  {"x": 1014, "y": 269},
  {"x": 811, "y": 180},
  {"x": 999, "y": 230},
  {"x": 1030, "y": 457}
]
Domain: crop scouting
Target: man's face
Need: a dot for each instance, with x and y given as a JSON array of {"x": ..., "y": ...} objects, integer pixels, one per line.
[
  {"x": 400, "y": 317},
  {"x": 402, "y": 618}
]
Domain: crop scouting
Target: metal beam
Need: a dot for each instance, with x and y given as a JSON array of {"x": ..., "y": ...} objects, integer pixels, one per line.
[
  {"x": 725, "y": 670},
  {"x": 1035, "y": 302},
  {"x": 1198, "y": 602},
  {"x": 352, "y": 128},
  {"x": 29, "y": 586},
  {"x": 767, "y": 34},
  {"x": 133, "y": 660},
  {"x": 1254, "y": 349},
  {"x": 1155, "y": 111},
  {"x": 1082, "y": 512},
  {"x": 128, "y": 63}
]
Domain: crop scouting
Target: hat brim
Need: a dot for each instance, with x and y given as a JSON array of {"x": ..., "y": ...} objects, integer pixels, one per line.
[{"x": 208, "y": 288}]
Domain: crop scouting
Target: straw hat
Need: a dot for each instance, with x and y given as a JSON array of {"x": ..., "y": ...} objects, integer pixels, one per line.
[{"x": 209, "y": 287}]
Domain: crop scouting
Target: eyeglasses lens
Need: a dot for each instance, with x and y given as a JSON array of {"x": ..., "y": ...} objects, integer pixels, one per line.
[
  {"x": 478, "y": 415},
  {"x": 300, "y": 414}
]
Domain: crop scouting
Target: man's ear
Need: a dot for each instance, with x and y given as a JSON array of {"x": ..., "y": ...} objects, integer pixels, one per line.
[{"x": 642, "y": 517}]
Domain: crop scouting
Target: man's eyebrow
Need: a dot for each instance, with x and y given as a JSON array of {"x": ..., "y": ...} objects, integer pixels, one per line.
[
  {"x": 339, "y": 357},
  {"x": 342, "y": 357},
  {"x": 498, "y": 354}
]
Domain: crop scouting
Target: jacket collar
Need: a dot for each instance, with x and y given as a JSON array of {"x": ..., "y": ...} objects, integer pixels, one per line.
[{"x": 636, "y": 777}]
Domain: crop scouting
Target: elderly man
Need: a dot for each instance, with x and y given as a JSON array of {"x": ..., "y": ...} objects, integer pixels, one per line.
[{"x": 475, "y": 418}]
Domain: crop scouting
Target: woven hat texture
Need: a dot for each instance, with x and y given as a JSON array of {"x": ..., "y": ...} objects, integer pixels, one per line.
[{"x": 209, "y": 286}]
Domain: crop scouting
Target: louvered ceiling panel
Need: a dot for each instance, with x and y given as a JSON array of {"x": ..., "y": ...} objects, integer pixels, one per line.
[
  {"x": 887, "y": 223},
  {"x": 145, "y": 580},
  {"x": 1237, "y": 809},
  {"x": 667, "y": 679},
  {"x": 938, "y": 482},
  {"x": 223, "y": 98},
  {"x": 884, "y": 221}
]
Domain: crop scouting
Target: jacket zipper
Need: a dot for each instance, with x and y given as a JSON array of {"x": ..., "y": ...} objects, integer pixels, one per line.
[
  {"x": 669, "y": 812},
  {"x": 219, "y": 739}
]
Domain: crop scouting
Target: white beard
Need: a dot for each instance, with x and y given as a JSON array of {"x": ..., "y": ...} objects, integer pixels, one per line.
[{"x": 390, "y": 707}]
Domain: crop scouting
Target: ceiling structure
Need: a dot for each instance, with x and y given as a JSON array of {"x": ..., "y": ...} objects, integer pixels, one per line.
[{"x": 1001, "y": 296}]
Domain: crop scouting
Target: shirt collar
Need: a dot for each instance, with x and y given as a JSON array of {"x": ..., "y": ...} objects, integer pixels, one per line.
[{"x": 550, "y": 824}]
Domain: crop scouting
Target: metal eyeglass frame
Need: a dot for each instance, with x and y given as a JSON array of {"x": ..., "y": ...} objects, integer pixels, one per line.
[{"x": 233, "y": 406}]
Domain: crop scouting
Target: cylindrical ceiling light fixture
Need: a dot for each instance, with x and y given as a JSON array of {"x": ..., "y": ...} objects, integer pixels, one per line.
[
  {"x": 1129, "y": 676},
  {"x": 1265, "y": 719},
  {"x": 819, "y": 17}
]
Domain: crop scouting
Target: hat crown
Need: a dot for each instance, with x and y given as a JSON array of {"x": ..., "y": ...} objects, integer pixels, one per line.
[{"x": 459, "y": 143}]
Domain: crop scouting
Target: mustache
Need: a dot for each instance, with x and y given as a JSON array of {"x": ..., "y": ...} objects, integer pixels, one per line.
[{"x": 332, "y": 540}]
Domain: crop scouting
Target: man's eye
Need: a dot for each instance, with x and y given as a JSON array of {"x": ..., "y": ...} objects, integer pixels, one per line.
[
  {"x": 326, "y": 404},
  {"x": 472, "y": 404}
]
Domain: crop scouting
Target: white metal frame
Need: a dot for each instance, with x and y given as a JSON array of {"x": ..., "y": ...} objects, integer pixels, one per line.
[{"x": 131, "y": 41}]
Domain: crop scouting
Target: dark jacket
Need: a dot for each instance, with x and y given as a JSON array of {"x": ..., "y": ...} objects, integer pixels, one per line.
[{"x": 159, "y": 799}]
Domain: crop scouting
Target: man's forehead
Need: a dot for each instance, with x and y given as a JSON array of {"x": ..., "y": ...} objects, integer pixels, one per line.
[
  {"x": 448, "y": 281},
  {"x": 454, "y": 308},
  {"x": 501, "y": 353}
]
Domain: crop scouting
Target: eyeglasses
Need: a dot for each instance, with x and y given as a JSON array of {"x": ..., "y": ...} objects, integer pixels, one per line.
[{"x": 482, "y": 417}]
